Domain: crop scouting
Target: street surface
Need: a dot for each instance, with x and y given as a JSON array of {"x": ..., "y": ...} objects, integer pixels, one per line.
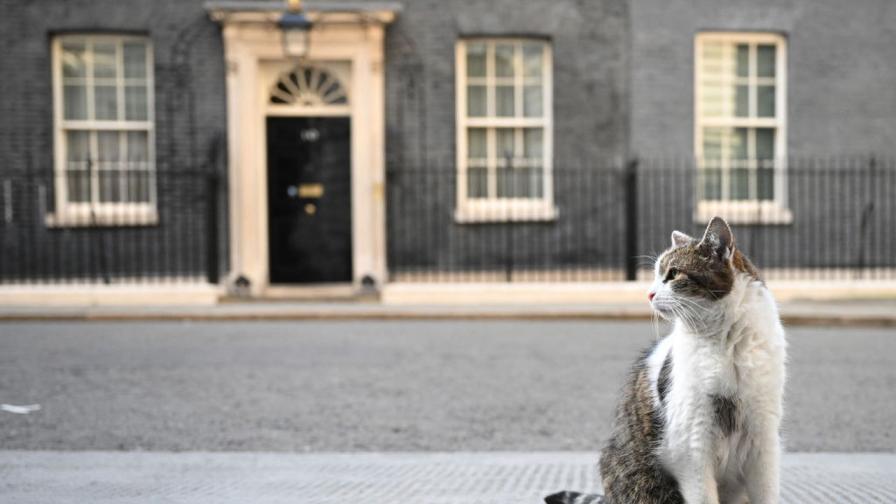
[{"x": 371, "y": 386}]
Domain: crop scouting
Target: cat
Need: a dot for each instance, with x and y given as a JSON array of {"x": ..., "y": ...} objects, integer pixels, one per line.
[{"x": 699, "y": 418}]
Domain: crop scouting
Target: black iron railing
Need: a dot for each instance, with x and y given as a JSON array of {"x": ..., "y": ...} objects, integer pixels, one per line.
[
  {"x": 824, "y": 219},
  {"x": 813, "y": 219},
  {"x": 110, "y": 225}
]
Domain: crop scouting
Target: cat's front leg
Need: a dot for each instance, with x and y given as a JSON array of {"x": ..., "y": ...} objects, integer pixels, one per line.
[
  {"x": 698, "y": 483},
  {"x": 763, "y": 466}
]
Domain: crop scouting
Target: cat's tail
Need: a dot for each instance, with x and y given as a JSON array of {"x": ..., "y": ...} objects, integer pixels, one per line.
[{"x": 567, "y": 497}]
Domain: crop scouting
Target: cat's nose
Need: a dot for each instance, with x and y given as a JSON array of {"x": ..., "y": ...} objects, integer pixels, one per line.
[{"x": 651, "y": 295}]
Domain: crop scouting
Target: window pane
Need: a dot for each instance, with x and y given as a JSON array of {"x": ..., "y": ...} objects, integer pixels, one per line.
[
  {"x": 107, "y": 142},
  {"x": 503, "y": 60},
  {"x": 109, "y": 182},
  {"x": 77, "y": 146},
  {"x": 108, "y": 167},
  {"x": 738, "y": 147},
  {"x": 78, "y": 185},
  {"x": 73, "y": 60},
  {"x": 712, "y": 143},
  {"x": 532, "y": 60},
  {"x": 138, "y": 146},
  {"x": 740, "y": 183},
  {"x": 134, "y": 60},
  {"x": 476, "y": 143},
  {"x": 713, "y": 99},
  {"x": 519, "y": 182},
  {"x": 104, "y": 61},
  {"x": 765, "y": 96},
  {"x": 765, "y": 183},
  {"x": 532, "y": 143},
  {"x": 504, "y": 145},
  {"x": 536, "y": 181},
  {"x": 718, "y": 62},
  {"x": 532, "y": 101},
  {"x": 742, "y": 101},
  {"x": 522, "y": 183},
  {"x": 711, "y": 183},
  {"x": 505, "y": 182},
  {"x": 135, "y": 103},
  {"x": 477, "y": 183},
  {"x": 504, "y": 101},
  {"x": 137, "y": 185},
  {"x": 476, "y": 101},
  {"x": 74, "y": 101},
  {"x": 765, "y": 143},
  {"x": 765, "y": 61},
  {"x": 743, "y": 60},
  {"x": 106, "y": 102}
]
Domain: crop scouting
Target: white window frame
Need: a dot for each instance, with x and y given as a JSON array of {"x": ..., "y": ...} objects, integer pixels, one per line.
[
  {"x": 95, "y": 213},
  {"x": 494, "y": 209},
  {"x": 774, "y": 211}
]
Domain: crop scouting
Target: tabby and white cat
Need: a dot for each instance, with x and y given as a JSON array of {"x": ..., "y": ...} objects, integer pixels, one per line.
[{"x": 699, "y": 419}]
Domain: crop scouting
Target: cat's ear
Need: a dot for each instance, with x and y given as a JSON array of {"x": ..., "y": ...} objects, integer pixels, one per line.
[
  {"x": 680, "y": 239},
  {"x": 719, "y": 237}
]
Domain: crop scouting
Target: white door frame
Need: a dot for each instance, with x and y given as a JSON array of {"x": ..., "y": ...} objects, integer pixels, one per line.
[{"x": 252, "y": 46}]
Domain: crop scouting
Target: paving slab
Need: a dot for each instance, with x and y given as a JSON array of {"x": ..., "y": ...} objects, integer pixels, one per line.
[{"x": 373, "y": 478}]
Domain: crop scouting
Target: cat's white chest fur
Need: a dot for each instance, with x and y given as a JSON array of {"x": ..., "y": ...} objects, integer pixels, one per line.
[{"x": 740, "y": 359}]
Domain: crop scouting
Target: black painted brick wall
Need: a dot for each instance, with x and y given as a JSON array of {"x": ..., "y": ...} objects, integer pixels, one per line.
[{"x": 190, "y": 125}]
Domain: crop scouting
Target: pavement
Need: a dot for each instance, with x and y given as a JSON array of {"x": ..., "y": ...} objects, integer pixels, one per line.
[
  {"x": 381, "y": 478},
  {"x": 853, "y": 312}
]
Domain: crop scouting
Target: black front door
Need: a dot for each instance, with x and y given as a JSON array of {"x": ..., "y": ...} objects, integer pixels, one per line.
[{"x": 309, "y": 199}]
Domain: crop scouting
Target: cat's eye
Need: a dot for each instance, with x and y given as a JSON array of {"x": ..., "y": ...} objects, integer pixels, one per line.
[{"x": 670, "y": 275}]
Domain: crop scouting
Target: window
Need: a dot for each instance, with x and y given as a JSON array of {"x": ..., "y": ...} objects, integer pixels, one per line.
[
  {"x": 103, "y": 115},
  {"x": 740, "y": 126},
  {"x": 504, "y": 139}
]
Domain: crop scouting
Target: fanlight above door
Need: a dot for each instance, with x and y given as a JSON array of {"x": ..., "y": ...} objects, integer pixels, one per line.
[{"x": 308, "y": 87}]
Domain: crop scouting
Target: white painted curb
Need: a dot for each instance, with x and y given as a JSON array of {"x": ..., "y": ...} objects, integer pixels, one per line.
[
  {"x": 607, "y": 292},
  {"x": 110, "y": 295}
]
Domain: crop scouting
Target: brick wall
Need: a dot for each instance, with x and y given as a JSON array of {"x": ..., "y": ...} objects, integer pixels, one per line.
[
  {"x": 190, "y": 121},
  {"x": 841, "y": 97}
]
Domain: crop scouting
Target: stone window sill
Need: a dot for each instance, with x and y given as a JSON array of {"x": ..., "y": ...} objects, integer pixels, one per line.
[{"x": 744, "y": 212}]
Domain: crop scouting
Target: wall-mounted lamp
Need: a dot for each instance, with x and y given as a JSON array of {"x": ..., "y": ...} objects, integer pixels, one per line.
[{"x": 296, "y": 29}]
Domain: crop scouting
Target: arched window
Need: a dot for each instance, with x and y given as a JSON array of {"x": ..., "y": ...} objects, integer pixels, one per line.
[{"x": 309, "y": 87}]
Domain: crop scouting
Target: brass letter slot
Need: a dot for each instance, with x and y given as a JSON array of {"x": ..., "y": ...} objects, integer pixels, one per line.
[{"x": 311, "y": 190}]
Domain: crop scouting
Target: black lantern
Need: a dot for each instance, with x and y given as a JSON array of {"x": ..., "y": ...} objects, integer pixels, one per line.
[{"x": 296, "y": 29}]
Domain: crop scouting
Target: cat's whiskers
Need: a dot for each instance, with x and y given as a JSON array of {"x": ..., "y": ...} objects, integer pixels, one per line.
[
  {"x": 656, "y": 324},
  {"x": 693, "y": 304},
  {"x": 683, "y": 312},
  {"x": 647, "y": 260}
]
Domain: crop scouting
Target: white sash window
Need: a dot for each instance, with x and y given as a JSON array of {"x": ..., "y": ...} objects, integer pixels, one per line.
[
  {"x": 504, "y": 137},
  {"x": 740, "y": 126},
  {"x": 104, "y": 134}
]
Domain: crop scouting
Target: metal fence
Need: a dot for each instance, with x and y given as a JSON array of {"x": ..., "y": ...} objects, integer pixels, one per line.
[
  {"x": 801, "y": 219},
  {"x": 114, "y": 225},
  {"x": 815, "y": 219}
]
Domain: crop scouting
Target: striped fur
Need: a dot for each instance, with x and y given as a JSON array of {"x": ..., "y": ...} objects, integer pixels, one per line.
[
  {"x": 568, "y": 497},
  {"x": 699, "y": 416}
]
